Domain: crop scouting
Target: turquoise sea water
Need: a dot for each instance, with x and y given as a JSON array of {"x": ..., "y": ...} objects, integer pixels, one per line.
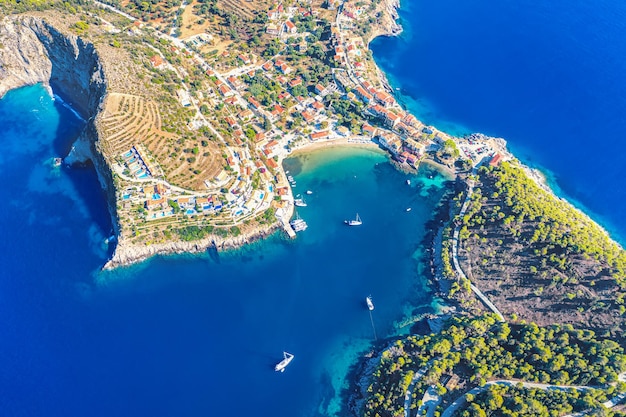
[
  {"x": 547, "y": 76},
  {"x": 194, "y": 335}
]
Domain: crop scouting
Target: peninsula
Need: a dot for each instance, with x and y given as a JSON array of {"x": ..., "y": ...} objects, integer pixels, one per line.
[{"x": 190, "y": 108}]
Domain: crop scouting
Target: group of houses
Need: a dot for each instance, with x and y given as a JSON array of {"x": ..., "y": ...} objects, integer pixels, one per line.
[
  {"x": 280, "y": 18},
  {"x": 160, "y": 203}
]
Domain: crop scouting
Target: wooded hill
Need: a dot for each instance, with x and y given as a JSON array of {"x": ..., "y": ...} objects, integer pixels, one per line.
[
  {"x": 537, "y": 257},
  {"x": 477, "y": 349}
]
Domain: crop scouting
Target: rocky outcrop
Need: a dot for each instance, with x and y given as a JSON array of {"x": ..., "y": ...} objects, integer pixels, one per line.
[
  {"x": 35, "y": 52},
  {"x": 23, "y": 58},
  {"x": 128, "y": 254},
  {"x": 386, "y": 24}
]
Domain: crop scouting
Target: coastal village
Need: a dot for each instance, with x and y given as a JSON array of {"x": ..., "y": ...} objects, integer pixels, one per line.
[
  {"x": 317, "y": 86},
  {"x": 220, "y": 95}
]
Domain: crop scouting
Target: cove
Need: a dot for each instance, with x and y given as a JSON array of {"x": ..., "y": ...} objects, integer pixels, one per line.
[{"x": 196, "y": 335}]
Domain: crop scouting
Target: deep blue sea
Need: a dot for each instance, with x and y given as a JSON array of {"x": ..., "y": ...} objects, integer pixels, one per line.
[
  {"x": 195, "y": 335},
  {"x": 546, "y": 75}
]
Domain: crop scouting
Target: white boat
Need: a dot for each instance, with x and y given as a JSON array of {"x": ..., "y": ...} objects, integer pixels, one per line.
[
  {"x": 299, "y": 201},
  {"x": 370, "y": 304},
  {"x": 408, "y": 182},
  {"x": 309, "y": 192},
  {"x": 58, "y": 162},
  {"x": 287, "y": 358},
  {"x": 298, "y": 224},
  {"x": 408, "y": 209},
  {"x": 356, "y": 222}
]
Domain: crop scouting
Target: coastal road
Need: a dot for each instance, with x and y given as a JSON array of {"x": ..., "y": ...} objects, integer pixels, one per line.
[
  {"x": 409, "y": 391},
  {"x": 114, "y": 10},
  {"x": 430, "y": 401},
  {"x": 461, "y": 402},
  {"x": 455, "y": 260}
]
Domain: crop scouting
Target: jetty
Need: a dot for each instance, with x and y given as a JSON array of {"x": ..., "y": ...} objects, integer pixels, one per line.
[{"x": 280, "y": 215}]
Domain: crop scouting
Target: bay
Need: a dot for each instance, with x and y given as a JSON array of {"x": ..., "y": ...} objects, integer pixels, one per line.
[{"x": 196, "y": 335}]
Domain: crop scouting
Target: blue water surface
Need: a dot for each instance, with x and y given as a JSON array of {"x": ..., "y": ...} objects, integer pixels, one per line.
[
  {"x": 548, "y": 76},
  {"x": 195, "y": 335}
]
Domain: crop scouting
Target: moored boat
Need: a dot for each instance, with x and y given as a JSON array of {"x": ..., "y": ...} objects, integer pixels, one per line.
[
  {"x": 356, "y": 222},
  {"x": 309, "y": 192},
  {"x": 299, "y": 201},
  {"x": 287, "y": 358},
  {"x": 370, "y": 303},
  {"x": 297, "y": 224}
]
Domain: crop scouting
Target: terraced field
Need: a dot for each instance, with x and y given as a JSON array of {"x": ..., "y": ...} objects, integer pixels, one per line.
[{"x": 130, "y": 120}]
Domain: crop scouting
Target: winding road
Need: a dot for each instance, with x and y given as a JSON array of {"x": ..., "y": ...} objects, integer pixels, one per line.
[
  {"x": 459, "y": 402},
  {"x": 455, "y": 245}
]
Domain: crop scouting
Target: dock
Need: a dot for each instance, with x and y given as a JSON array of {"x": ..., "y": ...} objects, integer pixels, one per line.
[
  {"x": 290, "y": 232},
  {"x": 280, "y": 215}
]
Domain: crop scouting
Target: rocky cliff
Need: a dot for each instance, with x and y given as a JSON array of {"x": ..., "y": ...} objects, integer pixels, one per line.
[{"x": 35, "y": 52}]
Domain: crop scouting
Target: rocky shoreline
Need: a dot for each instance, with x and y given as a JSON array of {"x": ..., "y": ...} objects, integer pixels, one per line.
[
  {"x": 127, "y": 254},
  {"x": 36, "y": 52}
]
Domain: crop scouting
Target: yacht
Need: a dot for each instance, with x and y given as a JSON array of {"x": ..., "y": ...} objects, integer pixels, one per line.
[
  {"x": 309, "y": 192},
  {"x": 370, "y": 304},
  {"x": 356, "y": 222},
  {"x": 287, "y": 358},
  {"x": 408, "y": 182},
  {"x": 408, "y": 209},
  {"x": 298, "y": 224},
  {"x": 299, "y": 201}
]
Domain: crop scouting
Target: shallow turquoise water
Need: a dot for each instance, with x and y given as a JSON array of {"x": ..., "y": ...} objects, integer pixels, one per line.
[{"x": 194, "y": 335}]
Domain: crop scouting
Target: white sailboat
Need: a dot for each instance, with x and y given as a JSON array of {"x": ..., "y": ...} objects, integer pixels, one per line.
[
  {"x": 356, "y": 222},
  {"x": 298, "y": 224},
  {"x": 299, "y": 201},
  {"x": 287, "y": 358},
  {"x": 370, "y": 304}
]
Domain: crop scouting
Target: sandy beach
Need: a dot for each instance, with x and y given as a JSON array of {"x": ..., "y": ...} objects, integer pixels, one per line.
[{"x": 334, "y": 143}]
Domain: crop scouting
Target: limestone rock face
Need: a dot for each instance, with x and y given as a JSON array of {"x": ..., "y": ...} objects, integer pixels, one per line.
[
  {"x": 23, "y": 58},
  {"x": 35, "y": 52},
  {"x": 31, "y": 52}
]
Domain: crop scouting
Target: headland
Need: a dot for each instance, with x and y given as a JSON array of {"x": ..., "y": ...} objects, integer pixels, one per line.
[
  {"x": 187, "y": 139},
  {"x": 188, "y": 124}
]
